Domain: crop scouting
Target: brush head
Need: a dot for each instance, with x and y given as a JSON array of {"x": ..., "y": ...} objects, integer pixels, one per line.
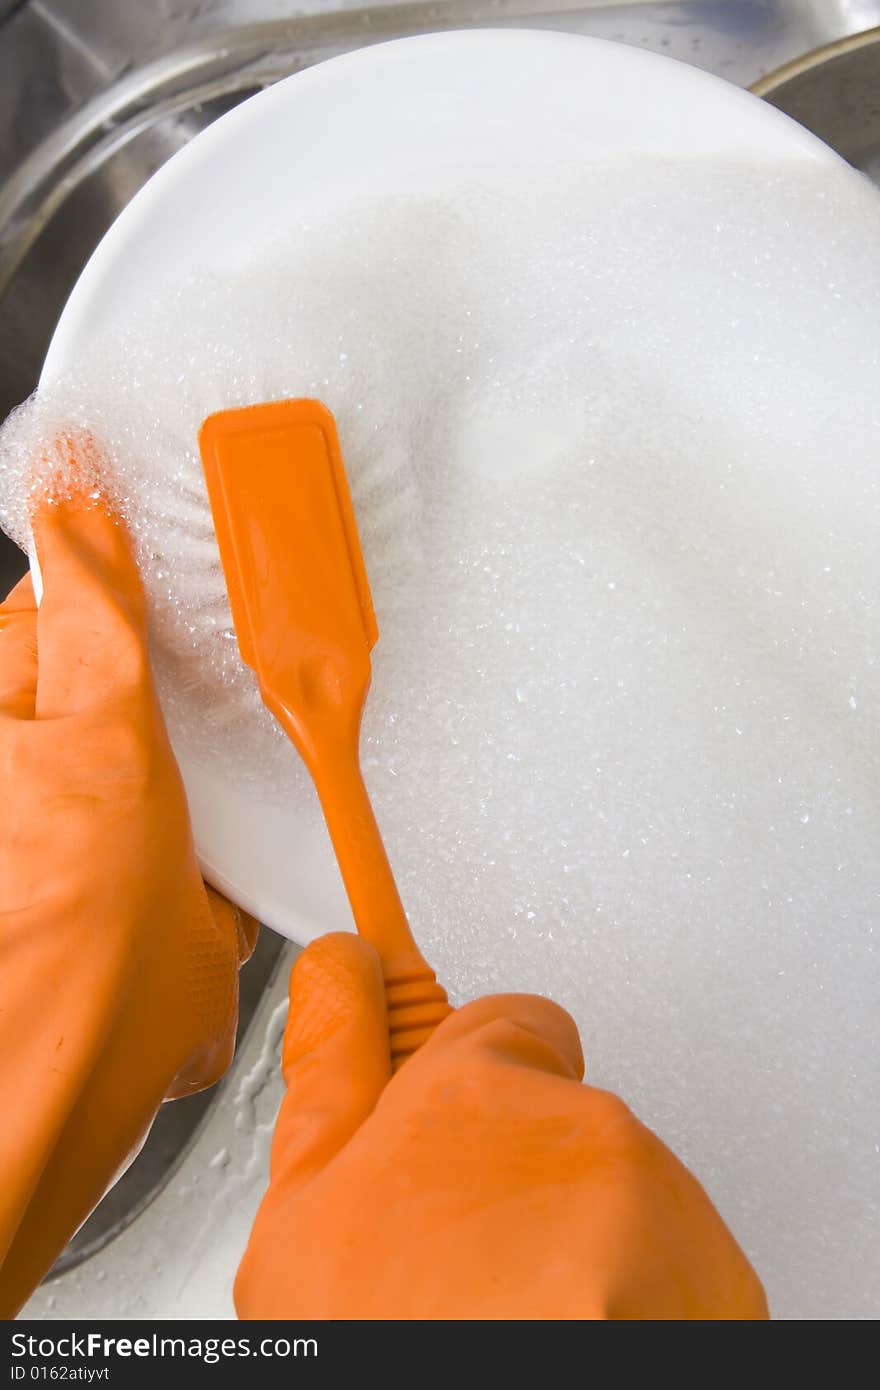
[{"x": 292, "y": 559}]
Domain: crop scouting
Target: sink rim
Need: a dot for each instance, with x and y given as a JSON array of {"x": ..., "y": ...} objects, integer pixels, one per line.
[
  {"x": 232, "y": 60},
  {"x": 771, "y": 82}
]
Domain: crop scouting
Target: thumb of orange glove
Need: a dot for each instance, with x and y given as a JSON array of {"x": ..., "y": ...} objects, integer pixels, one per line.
[
  {"x": 482, "y": 1181},
  {"x": 118, "y": 972}
]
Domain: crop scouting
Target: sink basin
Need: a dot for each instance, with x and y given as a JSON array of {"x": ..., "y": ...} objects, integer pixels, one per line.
[{"x": 59, "y": 202}]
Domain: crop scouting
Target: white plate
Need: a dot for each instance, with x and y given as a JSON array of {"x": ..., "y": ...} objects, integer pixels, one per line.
[{"x": 418, "y": 113}]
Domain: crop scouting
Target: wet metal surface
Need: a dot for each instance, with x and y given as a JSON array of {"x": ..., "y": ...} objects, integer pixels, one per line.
[{"x": 835, "y": 92}]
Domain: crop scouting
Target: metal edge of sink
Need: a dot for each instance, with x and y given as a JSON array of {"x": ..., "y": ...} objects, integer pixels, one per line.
[
  {"x": 250, "y": 56},
  {"x": 835, "y": 92}
]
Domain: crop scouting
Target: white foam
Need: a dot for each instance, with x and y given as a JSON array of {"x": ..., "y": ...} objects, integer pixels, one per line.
[{"x": 613, "y": 446}]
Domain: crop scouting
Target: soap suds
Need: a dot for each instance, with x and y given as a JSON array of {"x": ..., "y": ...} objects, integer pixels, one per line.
[{"x": 613, "y": 445}]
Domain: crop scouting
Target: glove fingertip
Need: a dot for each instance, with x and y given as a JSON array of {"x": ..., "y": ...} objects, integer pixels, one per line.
[
  {"x": 522, "y": 1014},
  {"x": 336, "y": 984}
]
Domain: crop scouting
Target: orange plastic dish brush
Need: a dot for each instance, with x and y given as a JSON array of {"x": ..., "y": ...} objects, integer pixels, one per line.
[{"x": 305, "y": 624}]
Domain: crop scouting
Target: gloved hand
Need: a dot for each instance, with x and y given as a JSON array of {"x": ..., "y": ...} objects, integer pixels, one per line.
[
  {"x": 482, "y": 1181},
  {"x": 118, "y": 970}
]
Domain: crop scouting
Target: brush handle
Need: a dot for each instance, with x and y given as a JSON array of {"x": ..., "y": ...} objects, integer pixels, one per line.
[{"x": 416, "y": 1002}]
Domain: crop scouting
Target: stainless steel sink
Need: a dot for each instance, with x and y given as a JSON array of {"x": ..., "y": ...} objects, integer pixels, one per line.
[{"x": 95, "y": 96}]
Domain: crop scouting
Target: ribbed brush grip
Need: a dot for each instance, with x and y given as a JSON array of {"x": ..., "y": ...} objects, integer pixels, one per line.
[{"x": 416, "y": 1005}]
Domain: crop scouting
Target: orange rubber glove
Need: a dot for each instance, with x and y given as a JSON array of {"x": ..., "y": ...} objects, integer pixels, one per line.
[
  {"x": 118, "y": 970},
  {"x": 482, "y": 1181}
]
